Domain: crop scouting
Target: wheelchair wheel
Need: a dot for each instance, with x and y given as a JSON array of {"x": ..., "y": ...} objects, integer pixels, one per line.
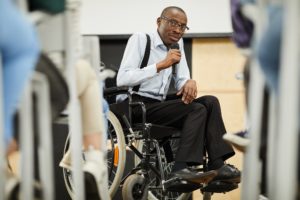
[
  {"x": 116, "y": 153},
  {"x": 116, "y": 156},
  {"x": 157, "y": 193},
  {"x": 134, "y": 188}
]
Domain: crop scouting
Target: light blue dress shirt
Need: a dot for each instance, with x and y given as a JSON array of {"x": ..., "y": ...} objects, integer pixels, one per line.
[{"x": 152, "y": 84}]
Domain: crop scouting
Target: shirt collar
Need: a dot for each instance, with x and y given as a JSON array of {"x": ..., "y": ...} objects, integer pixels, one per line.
[{"x": 157, "y": 41}]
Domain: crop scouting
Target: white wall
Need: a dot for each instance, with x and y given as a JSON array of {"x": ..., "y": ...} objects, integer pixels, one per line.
[{"x": 119, "y": 17}]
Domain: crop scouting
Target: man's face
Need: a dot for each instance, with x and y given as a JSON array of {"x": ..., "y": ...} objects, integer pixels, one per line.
[{"x": 171, "y": 26}]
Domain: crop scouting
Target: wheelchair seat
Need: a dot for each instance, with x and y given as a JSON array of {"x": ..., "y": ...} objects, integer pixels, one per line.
[{"x": 159, "y": 132}]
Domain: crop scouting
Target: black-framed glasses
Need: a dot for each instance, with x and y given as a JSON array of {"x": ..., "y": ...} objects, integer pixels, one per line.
[{"x": 174, "y": 24}]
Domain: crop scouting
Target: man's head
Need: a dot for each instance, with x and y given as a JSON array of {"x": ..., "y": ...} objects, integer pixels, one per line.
[{"x": 172, "y": 24}]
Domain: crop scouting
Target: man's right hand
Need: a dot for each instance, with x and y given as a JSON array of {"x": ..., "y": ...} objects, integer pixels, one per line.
[{"x": 173, "y": 57}]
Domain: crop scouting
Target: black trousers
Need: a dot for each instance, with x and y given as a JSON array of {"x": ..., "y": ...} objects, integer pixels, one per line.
[{"x": 200, "y": 122}]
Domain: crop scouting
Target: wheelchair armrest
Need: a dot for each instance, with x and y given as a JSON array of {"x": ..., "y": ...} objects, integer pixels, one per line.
[
  {"x": 113, "y": 91},
  {"x": 142, "y": 106}
]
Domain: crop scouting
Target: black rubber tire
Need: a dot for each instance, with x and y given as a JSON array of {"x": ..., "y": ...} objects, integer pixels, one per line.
[{"x": 131, "y": 188}]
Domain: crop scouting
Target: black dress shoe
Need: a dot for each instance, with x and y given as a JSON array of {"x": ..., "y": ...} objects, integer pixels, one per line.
[
  {"x": 194, "y": 176},
  {"x": 228, "y": 173},
  {"x": 180, "y": 185}
]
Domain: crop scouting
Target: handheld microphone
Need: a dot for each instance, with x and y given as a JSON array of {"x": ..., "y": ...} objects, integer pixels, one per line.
[{"x": 174, "y": 46}]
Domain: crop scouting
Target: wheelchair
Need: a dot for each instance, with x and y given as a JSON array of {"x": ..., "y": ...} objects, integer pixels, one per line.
[{"x": 154, "y": 148}]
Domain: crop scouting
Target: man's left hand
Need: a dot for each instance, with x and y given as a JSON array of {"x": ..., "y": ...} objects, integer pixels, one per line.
[{"x": 188, "y": 91}]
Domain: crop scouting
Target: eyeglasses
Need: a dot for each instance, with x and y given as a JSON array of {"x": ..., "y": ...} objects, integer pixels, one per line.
[{"x": 174, "y": 24}]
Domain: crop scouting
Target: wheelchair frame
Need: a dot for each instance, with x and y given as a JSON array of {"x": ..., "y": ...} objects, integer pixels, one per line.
[{"x": 135, "y": 184}]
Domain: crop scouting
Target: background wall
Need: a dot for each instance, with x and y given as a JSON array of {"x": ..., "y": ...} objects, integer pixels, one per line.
[
  {"x": 118, "y": 18},
  {"x": 215, "y": 64}
]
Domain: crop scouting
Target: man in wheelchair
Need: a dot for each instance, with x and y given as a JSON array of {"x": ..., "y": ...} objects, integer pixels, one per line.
[{"x": 199, "y": 119}]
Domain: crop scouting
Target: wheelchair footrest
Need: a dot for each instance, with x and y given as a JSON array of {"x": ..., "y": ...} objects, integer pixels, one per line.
[
  {"x": 179, "y": 185},
  {"x": 219, "y": 187}
]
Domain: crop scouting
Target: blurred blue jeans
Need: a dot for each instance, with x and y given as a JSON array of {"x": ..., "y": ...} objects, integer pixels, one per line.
[
  {"x": 269, "y": 47},
  {"x": 248, "y": 1},
  {"x": 105, "y": 112},
  {"x": 19, "y": 50}
]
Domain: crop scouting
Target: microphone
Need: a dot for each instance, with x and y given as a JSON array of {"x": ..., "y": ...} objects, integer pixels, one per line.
[{"x": 174, "y": 46}]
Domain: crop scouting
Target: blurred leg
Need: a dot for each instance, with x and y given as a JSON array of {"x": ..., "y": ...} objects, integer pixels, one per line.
[{"x": 19, "y": 49}]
